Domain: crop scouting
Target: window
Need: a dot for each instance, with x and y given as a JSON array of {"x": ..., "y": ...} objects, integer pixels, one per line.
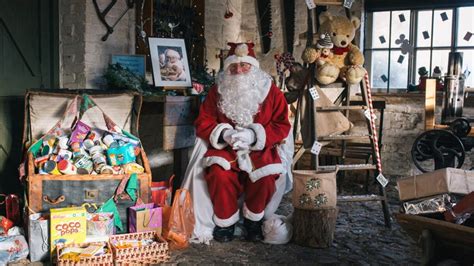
[{"x": 398, "y": 43}]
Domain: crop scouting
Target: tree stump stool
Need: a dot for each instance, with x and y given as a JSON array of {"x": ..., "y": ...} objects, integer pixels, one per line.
[{"x": 314, "y": 228}]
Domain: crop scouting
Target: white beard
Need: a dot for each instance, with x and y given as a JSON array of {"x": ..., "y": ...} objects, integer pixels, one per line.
[{"x": 241, "y": 95}]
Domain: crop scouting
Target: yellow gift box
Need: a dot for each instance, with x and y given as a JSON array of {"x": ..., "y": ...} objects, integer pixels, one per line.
[{"x": 68, "y": 225}]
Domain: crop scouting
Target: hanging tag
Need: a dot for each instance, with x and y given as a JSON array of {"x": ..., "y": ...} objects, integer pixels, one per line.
[
  {"x": 314, "y": 93},
  {"x": 367, "y": 114},
  {"x": 310, "y": 4},
  {"x": 348, "y": 3},
  {"x": 316, "y": 148},
  {"x": 382, "y": 180}
]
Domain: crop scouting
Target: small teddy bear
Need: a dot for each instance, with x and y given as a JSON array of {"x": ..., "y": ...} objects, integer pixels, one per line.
[{"x": 324, "y": 46}]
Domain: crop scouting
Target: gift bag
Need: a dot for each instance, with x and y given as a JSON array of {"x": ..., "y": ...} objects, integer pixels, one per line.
[
  {"x": 181, "y": 220},
  {"x": 161, "y": 192},
  {"x": 38, "y": 237},
  {"x": 100, "y": 224},
  {"x": 314, "y": 190},
  {"x": 12, "y": 248},
  {"x": 145, "y": 217}
]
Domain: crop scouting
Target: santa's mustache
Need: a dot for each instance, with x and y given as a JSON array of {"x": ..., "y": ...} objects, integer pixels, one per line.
[{"x": 239, "y": 96}]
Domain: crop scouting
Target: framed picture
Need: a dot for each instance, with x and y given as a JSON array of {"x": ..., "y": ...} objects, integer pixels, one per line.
[
  {"x": 169, "y": 62},
  {"x": 135, "y": 63}
]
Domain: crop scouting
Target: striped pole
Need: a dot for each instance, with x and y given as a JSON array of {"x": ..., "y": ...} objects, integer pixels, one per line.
[{"x": 372, "y": 123}]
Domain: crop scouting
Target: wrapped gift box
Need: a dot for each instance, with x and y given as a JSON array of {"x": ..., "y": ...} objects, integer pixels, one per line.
[{"x": 447, "y": 180}]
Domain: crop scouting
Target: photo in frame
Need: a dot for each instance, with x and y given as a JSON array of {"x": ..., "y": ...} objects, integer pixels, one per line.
[{"x": 169, "y": 62}]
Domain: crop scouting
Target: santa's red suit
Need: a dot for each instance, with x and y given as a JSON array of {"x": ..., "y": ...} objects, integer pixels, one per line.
[{"x": 226, "y": 182}]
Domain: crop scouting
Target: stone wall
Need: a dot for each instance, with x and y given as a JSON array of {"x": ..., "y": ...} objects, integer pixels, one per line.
[
  {"x": 84, "y": 56},
  {"x": 243, "y": 27},
  {"x": 403, "y": 122}
]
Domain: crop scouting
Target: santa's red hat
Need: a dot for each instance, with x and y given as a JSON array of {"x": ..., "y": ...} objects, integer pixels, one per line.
[{"x": 241, "y": 52}]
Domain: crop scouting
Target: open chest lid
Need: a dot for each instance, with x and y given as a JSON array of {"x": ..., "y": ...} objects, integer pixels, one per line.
[{"x": 44, "y": 108}]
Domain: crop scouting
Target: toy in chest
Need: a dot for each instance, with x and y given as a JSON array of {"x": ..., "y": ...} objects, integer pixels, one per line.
[{"x": 86, "y": 151}]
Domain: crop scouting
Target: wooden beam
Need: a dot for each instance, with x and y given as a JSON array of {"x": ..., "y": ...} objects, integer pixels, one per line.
[{"x": 430, "y": 104}]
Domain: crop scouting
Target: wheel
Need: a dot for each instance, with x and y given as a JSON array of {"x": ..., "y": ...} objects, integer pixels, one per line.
[
  {"x": 436, "y": 149},
  {"x": 460, "y": 127}
]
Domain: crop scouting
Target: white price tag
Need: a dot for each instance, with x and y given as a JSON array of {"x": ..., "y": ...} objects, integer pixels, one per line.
[
  {"x": 310, "y": 4},
  {"x": 314, "y": 93},
  {"x": 367, "y": 114},
  {"x": 316, "y": 148},
  {"x": 382, "y": 180}
]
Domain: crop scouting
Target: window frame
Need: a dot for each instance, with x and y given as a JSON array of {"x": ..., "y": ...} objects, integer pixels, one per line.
[{"x": 412, "y": 36}]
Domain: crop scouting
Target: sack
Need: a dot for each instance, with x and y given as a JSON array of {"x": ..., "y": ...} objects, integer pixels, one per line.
[
  {"x": 161, "y": 192},
  {"x": 144, "y": 217},
  {"x": 38, "y": 237},
  {"x": 181, "y": 220},
  {"x": 314, "y": 190}
]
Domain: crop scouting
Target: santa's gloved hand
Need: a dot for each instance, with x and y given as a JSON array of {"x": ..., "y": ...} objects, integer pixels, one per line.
[
  {"x": 239, "y": 145},
  {"x": 245, "y": 135},
  {"x": 228, "y": 134}
]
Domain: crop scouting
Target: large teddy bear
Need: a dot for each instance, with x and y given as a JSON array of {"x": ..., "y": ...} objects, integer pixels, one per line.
[{"x": 347, "y": 60}]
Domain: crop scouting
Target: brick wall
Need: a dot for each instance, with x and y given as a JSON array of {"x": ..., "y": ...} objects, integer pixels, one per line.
[
  {"x": 71, "y": 43},
  {"x": 84, "y": 55}
]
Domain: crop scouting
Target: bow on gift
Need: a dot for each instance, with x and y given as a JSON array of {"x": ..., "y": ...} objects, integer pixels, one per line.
[{"x": 286, "y": 59}]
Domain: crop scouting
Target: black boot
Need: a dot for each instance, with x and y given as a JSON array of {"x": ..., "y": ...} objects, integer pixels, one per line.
[
  {"x": 254, "y": 230},
  {"x": 223, "y": 234}
]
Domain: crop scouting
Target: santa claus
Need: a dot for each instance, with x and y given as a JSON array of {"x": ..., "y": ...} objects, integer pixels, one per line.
[{"x": 242, "y": 123}]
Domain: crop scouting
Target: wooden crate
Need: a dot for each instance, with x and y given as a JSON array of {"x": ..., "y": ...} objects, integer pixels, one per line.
[{"x": 170, "y": 121}]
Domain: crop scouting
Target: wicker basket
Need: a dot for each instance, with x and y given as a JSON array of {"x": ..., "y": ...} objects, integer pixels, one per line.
[
  {"x": 103, "y": 260},
  {"x": 150, "y": 254}
]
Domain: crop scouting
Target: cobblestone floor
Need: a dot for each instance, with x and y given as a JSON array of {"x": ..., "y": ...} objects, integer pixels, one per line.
[{"x": 360, "y": 238}]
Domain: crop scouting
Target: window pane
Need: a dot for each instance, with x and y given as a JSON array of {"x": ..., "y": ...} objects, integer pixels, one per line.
[
  {"x": 423, "y": 32},
  {"x": 422, "y": 60},
  {"x": 466, "y": 26},
  {"x": 379, "y": 69},
  {"x": 468, "y": 63},
  {"x": 398, "y": 70},
  {"x": 380, "y": 29},
  {"x": 440, "y": 59},
  {"x": 442, "y": 27},
  {"x": 400, "y": 26}
]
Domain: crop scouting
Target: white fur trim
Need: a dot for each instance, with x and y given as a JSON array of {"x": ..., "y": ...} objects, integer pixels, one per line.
[
  {"x": 239, "y": 59},
  {"x": 226, "y": 222},
  {"x": 251, "y": 215},
  {"x": 271, "y": 169},
  {"x": 208, "y": 161},
  {"x": 265, "y": 88},
  {"x": 216, "y": 133},
  {"x": 261, "y": 136}
]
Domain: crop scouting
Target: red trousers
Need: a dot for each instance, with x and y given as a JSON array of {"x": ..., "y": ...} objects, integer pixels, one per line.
[{"x": 225, "y": 188}]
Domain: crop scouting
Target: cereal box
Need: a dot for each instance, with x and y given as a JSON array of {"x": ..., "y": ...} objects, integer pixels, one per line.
[{"x": 68, "y": 225}]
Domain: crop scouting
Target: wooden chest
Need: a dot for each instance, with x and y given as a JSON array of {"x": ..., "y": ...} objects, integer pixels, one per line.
[{"x": 42, "y": 110}]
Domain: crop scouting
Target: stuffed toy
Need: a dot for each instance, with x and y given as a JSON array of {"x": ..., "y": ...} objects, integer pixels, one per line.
[
  {"x": 347, "y": 59},
  {"x": 324, "y": 48}
]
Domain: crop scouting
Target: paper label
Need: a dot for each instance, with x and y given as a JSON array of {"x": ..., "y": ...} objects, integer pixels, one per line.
[
  {"x": 367, "y": 114},
  {"x": 382, "y": 180},
  {"x": 348, "y": 3},
  {"x": 310, "y": 4},
  {"x": 316, "y": 148},
  {"x": 314, "y": 93}
]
